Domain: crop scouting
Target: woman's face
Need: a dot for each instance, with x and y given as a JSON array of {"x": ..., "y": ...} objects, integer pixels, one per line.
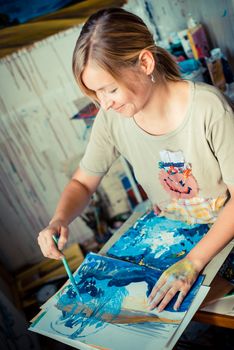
[{"x": 111, "y": 94}]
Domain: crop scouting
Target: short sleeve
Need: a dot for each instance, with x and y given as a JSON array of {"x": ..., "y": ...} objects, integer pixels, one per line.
[
  {"x": 221, "y": 139},
  {"x": 101, "y": 151}
]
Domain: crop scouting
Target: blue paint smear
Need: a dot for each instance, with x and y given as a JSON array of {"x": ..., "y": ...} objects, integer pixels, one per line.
[
  {"x": 102, "y": 282},
  {"x": 225, "y": 12},
  {"x": 174, "y": 240}
]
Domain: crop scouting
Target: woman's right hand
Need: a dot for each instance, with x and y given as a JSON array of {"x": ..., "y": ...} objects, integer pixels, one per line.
[{"x": 46, "y": 242}]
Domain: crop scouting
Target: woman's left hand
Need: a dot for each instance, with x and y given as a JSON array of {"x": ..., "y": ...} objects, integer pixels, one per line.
[{"x": 177, "y": 278}]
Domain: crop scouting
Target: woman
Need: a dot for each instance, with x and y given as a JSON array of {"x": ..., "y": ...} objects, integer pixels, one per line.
[{"x": 177, "y": 135}]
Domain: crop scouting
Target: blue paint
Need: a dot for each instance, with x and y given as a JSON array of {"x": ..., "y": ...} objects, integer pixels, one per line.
[
  {"x": 104, "y": 283},
  {"x": 224, "y": 13},
  {"x": 157, "y": 241},
  {"x": 21, "y": 10},
  {"x": 101, "y": 283}
]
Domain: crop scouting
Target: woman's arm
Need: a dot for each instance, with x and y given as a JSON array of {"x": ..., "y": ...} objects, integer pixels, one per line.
[
  {"x": 73, "y": 200},
  {"x": 181, "y": 276},
  {"x": 221, "y": 232}
]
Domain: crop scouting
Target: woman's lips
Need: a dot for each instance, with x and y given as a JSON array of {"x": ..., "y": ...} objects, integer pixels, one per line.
[{"x": 119, "y": 108}]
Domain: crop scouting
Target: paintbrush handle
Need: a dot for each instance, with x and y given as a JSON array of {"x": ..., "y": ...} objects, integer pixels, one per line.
[{"x": 67, "y": 268}]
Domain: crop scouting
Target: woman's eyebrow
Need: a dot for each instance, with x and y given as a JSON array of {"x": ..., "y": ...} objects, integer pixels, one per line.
[{"x": 104, "y": 87}]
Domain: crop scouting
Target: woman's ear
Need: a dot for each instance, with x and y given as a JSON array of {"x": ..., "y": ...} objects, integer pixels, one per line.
[{"x": 147, "y": 61}]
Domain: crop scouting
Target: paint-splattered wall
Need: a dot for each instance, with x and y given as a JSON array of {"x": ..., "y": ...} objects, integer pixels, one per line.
[
  {"x": 217, "y": 16},
  {"x": 40, "y": 145},
  {"x": 38, "y": 142}
]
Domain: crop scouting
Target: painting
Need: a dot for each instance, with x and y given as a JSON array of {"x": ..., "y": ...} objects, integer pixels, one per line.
[
  {"x": 157, "y": 242},
  {"x": 87, "y": 112},
  {"x": 111, "y": 310}
]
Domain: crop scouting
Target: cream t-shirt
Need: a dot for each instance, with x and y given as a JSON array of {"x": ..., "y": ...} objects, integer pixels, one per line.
[{"x": 185, "y": 172}]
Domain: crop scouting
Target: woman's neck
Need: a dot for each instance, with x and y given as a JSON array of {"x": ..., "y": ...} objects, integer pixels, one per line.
[{"x": 165, "y": 109}]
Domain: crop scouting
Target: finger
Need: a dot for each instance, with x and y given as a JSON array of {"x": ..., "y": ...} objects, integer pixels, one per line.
[
  {"x": 41, "y": 238},
  {"x": 164, "y": 279},
  {"x": 47, "y": 245},
  {"x": 160, "y": 294},
  {"x": 42, "y": 243},
  {"x": 158, "y": 297},
  {"x": 44, "y": 236},
  {"x": 167, "y": 298},
  {"x": 156, "y": 288},
  {"x": 181, "y": 296},
  {"x": 63, "y": 237},
  {"x": 43, "y": 251},
  {"x": 52, "y": 251}
]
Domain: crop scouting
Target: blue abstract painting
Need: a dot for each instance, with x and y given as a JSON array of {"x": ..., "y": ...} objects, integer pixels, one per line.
[
  {"x": 111, "y": 309},
  {"x": 157, "y": 241}
]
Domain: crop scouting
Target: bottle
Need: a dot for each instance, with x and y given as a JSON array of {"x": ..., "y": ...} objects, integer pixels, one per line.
[{"x": 191, "y": 23}]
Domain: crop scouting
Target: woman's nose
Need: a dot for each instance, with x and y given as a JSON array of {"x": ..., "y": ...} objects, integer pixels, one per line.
[{"x": 106, "y": 103}]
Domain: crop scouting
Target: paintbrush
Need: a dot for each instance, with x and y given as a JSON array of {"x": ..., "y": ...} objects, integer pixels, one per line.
[{"x": 67, "y": 268}]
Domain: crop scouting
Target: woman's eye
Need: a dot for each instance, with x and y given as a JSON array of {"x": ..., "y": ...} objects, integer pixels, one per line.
[{"x": 112, "y": 91}]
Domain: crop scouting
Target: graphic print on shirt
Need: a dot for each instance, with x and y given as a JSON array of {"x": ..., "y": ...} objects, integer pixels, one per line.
[{"x": 176, "y": 175}]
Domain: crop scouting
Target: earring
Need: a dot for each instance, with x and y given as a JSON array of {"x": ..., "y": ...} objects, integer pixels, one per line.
[{"x": 152, "y": 78}]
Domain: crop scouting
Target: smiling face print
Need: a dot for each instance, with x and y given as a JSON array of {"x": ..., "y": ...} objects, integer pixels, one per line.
[{"x": 176, "y": 176}]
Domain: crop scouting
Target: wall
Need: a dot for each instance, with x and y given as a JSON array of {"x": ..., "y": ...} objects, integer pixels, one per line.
[
  {"x": 40, "y": 145},
  {"x": 216, "y": 15}
]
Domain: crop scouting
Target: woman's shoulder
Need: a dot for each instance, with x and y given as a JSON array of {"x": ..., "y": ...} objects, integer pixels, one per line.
[{"x": 209, "y": 96}]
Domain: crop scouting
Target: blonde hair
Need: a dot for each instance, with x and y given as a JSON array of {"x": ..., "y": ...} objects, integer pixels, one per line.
[{"x": 113, "y": 38}]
